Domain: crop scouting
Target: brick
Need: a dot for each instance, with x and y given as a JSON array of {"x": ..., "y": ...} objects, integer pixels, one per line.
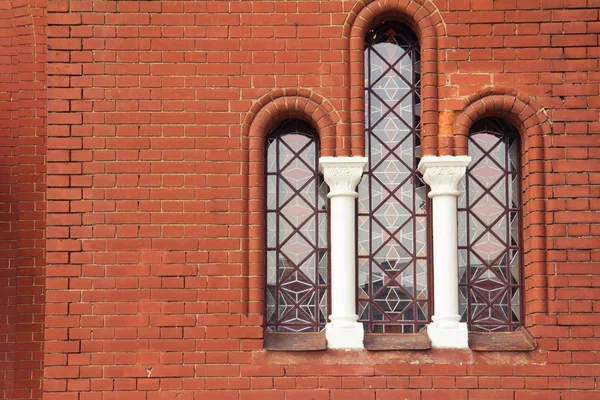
[{"x": 125, "y": 260}]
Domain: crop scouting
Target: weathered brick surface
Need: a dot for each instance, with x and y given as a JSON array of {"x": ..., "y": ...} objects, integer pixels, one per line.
[
  {"x": 22, "y": 196},
  {"x": 157, "y": 110},
  {"x": 8, "y": 269}
]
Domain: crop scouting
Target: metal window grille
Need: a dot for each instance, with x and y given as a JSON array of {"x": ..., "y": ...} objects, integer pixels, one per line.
[
  {"x": 297, "y": 256},
  {"x": 392, "y": 234},
  {"x": 489, "y": 234}
]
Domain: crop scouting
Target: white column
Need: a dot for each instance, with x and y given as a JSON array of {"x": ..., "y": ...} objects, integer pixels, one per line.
[
  {"x": 443, "y": 174},
  {"x": 342, "y": 174}
]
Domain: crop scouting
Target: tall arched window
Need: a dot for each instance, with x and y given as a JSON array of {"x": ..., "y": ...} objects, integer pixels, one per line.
[
  {"x": 392, "y": 295},
  {"x": 297, "y": 231},
  {"x": 489, "y": 235}
]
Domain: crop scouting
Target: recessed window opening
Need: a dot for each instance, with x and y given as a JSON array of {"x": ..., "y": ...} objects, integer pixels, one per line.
[
  {"x": 490, "y": 234},
  {"x": 297, "y": 256},
  {"x": 392, "y": 238}
]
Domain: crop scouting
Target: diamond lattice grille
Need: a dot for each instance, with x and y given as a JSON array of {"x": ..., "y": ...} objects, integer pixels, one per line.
[
  {"x": 392, "y": 293},
  {"x": 489, "y": 228},
  {"x": 297, "y": 231}
]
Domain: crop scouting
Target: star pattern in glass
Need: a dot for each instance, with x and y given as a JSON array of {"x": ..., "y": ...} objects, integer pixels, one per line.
[
  {"x": 297, "y": 231},
  {"x": 489, "y": 214},
  {"x": 392, "y": 293}
]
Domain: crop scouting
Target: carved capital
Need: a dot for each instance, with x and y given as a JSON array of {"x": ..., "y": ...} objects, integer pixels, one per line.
[
  {"x": 443, "y": 174},
  {"x": 342, "y": 174}
]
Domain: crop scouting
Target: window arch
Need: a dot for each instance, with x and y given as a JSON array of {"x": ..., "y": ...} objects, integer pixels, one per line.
[
  {"x": 296, "y": 230},
  {"x": 489, "y": 229},
  {"x": 392, "y": 212}
]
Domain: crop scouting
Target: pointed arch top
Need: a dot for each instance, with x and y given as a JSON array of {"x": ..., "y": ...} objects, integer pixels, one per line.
[{"x": 425, "y": 20}]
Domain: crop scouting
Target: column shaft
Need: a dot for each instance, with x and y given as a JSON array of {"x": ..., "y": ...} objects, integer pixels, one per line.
[
  {"x": 445, "y": 254},
  {"x": 343, "y": 290},
  {"x": 342, "y": 174},
  {"x": 443, "y": 175}
]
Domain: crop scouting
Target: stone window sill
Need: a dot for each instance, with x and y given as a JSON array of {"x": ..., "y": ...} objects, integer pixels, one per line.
[
  {"x": 404, "y": 341},
  {"x": 295, "y": 341},
  {"x": 519, "y": 340}
]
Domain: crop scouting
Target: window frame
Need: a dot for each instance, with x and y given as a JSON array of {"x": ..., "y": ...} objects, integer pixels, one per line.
[
  {"x": 293, "y": 126},
  {"x": 412, "y": 52},
  {"x": 505, "y": 131}
]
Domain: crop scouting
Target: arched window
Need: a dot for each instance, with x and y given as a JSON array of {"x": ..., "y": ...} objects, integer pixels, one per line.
[
  {"x": 297, "y": 231},
  {"x": 392, "y": 262},
  {"x": 489, "y": 235}
]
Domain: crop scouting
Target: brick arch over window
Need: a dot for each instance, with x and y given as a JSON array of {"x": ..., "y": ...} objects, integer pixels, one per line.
[
  {"x": 528, "y": 118},
  {"x": 522, "y": 111},
  {"x": 291, "y": 103},
  {"x": 425, "y": 20},
  {"x": 262, "y": 117}
]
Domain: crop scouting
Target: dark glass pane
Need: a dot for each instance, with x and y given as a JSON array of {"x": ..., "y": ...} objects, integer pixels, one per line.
[
  {"x": 489, "y": 230},
  {"x": 297, "y": 231},
  {"x": 392, "y": 295}
]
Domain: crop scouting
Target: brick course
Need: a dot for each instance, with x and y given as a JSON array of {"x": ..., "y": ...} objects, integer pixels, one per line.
[{"x": 150, "y": 282}]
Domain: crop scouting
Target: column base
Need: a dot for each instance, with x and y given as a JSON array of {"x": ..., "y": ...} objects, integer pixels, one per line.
[
  {"x": 456, "y": 337},
  {"x": 349, "y": 336}
]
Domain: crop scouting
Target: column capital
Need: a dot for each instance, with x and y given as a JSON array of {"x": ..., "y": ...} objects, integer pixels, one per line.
[
  {"x": 444, "y": 173},
  {"x": 342, "y": 174}
]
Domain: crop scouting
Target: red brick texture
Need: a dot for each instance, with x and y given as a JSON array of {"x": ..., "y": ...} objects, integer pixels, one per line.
[
  {"x": 9, "y": 200},
  {"x": 22, "y": 192},
  {"x": 150, "y": 283}
]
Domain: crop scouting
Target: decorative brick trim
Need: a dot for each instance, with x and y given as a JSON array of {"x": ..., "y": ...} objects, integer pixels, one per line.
[
  {"x": 425, "y": 20},
  {"x": 293, "y": 103},
  {"x": 527, "y": 115},
  {"x": 270, "y": 109}
]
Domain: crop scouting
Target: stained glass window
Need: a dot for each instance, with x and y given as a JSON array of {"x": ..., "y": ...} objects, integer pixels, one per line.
[
  {"x": 296, "y": 231},
  {"x": 489, "y": 234},
  {"x": 392, "y": 295}
]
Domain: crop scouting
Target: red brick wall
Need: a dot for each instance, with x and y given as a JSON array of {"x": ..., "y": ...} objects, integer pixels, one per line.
[
  {"x": 22, "y": 197},
  {"x": 8, "y": 199},
  {"x": 156, "y": 111}
]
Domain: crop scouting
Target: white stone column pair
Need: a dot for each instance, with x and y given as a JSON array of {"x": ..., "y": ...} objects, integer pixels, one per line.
[{"x": 443, "y": 175}]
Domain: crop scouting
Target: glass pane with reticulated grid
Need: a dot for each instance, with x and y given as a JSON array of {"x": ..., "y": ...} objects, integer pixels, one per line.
[
  {"x": 296, "y": 231},
  {"x": 489, "y": 218},
  {"x": 392, "y": 293}
]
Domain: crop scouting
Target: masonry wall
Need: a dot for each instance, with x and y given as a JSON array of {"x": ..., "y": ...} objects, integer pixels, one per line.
[
  {"x": 22, "y": 196},
  {"x": 8, "y": 253},
  {"x": 153, "y": 275}
]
